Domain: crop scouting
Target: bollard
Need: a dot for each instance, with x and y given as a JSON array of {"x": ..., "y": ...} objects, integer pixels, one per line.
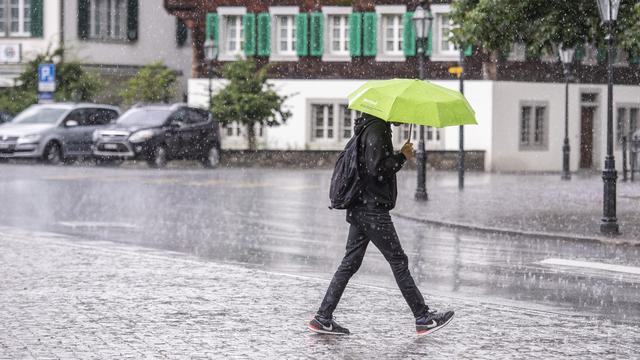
[{"x": 624, "y": 159}]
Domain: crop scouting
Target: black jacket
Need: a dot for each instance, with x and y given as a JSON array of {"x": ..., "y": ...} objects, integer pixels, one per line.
[{"x": 378, "y": 164}]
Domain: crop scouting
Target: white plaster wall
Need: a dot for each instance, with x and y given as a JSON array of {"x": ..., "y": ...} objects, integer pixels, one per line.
[
  {"x": 34, "y": 46},
  {"x": 295, "y": 135},
  {"x": 156, "y": 41},
  {"x": 506, "y": 155}
]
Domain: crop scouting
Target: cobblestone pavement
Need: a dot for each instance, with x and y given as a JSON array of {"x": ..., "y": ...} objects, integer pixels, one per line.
[
  {"x": 64, "y": 297},
  {"x": 522, "y": 203}
]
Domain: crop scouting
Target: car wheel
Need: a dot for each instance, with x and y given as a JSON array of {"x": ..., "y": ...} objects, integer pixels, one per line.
[
  {"x": 53, "y": 154},
  {"x": 212, "y": 158},
  {"x": 158, "y": 158}
]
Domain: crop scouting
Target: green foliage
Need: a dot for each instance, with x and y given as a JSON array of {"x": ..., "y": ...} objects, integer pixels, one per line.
[
  {"x": 497, "y": 24},
  {"x": 154, "y": 83},
  {"x": 72, "y": 83},
  {"x": 248, "y": 98}
]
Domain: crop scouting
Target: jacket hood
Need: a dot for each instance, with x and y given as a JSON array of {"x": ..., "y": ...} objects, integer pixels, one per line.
[{"x": 364, "y": 120}]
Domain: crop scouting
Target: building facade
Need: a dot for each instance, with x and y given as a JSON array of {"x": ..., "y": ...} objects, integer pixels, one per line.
[
  {"x": 111, "y": 37},
  {"x": 320, "y": 51}
]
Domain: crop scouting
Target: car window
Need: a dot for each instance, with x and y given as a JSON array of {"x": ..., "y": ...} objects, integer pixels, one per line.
[
  {"x": 39, "y": 115},
  {"x": 79, "y": 115},
  {"x": 179, "y": 116},
  {"x": 101, "y": 116},
  {"x": 195, "y": 117}
]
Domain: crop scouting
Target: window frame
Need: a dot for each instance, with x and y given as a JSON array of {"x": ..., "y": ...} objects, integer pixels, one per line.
[
  {"x": 94, "y": 11},
  {"x": 381, "y": 12},
  {"x": 275, "y": 12},
  {"x": 23, "y": 14},
  {"x": 329, "y": 12},
  {"x": 626, "y": 131},
  {"x": 437, "y": 53},
  {"x": 338, "y": 140},
  {"x": 224, "y": 13},
  {"x": 531, "y": 145}
]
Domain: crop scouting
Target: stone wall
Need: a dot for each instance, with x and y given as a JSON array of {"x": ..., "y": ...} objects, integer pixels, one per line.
[{"x": 439, "y": 160}]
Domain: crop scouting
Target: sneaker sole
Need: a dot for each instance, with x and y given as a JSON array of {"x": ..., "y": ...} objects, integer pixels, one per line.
[
  {"x": 431, "y": 331},
  {"x": 324, "y": 332}
]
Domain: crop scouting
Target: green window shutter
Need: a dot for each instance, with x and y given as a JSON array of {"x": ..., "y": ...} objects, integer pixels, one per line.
[
  {"x": 355, "y": 34},
  {"x": 317, "y": 34},
  {"x": 211, "y": 27},
  {"x": 429, "y": 50},
  {"x": 181, "y": 32},
  {"x": 468, "y": 51},
  {"x": 579, "y": 54},
  {"x": 264, "y": 34},
  {"x": 370, "y": 38},
  {"x": 409, "y": 35},
  {"x": 36, "y": 18},
  {"x": 249, "y": 24},
  {"x": 132, "y": 20},
  {"x": 302, "y": 36},
  {"x": 83, "y": 19}
]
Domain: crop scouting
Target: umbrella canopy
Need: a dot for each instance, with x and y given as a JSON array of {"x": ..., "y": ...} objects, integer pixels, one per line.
[{"x": 412, "y": 101}]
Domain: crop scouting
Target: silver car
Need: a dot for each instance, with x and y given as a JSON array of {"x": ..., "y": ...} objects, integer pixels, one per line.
[{"x": 54, "y": 132}]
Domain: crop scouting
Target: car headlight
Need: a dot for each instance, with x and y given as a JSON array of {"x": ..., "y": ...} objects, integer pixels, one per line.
[
  {"x": 29, "y": 139},
  {"x": 140, "y": 136}
]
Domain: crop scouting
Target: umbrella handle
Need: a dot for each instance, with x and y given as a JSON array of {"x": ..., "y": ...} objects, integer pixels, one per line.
[{"x": 410, "y": 133}]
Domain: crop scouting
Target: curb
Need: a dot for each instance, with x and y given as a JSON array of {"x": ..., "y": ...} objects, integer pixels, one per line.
[{"x": 543, "y": 235}]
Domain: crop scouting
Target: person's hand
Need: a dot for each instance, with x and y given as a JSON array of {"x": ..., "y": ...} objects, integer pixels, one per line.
[{"x": 407, "y": 150}]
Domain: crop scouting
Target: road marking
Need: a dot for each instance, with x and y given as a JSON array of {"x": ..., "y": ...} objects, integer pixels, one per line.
[{"x": 592, "y": 265}]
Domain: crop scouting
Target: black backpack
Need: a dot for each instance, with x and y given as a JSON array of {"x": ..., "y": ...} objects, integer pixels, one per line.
[{"x": 346, "y": 182}]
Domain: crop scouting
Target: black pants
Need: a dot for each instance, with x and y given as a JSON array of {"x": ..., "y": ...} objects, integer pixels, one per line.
[{"x": 375, "y": 226}]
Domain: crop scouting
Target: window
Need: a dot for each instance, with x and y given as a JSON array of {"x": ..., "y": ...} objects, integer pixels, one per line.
[
  {"x": 627, "y": 121},
  {"x": 347, "y": 118},
  {"x": 392, "y": 34},
  {"x": 339, "y": 34},
  {"x": 322, "y": 122},
  {"x": 108, "y": 19},
  {"x": 15, "y": 17},
  {"x": 285, "y": 35},
  {"x": 533, "y": 126},
  {"x": 233, "y": 129},
  {"x": 233, "y": 34},
  {"x": 444, "y": 32}
]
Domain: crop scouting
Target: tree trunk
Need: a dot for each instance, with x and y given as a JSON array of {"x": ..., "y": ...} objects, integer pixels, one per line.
[
  {"x": 490, "y": 68},
  {"x": 251, "y": 137}
]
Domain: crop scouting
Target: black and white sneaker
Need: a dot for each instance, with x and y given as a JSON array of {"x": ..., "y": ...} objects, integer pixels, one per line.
[
  {"x": 432, "y": 321},
  {"x": 321, "y": 325}
]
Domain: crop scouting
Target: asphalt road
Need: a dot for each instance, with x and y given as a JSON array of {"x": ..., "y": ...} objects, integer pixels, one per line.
[{"x": 278, "y": 220}]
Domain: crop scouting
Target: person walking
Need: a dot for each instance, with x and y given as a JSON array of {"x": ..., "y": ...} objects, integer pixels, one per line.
[{"x": 369, "y": 219}]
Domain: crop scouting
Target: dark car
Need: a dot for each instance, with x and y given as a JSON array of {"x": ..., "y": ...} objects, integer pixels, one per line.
[
  {"x": 54, "y": 132},
  {"x": 5, "y": 117},
  {"x": 160, "y": 133}
]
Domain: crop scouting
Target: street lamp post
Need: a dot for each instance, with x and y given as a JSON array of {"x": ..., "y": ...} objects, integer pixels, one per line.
[
  {"x": 609, "y": 224},
  {"x": 422, "y": 23},
  {"x": 566, "y": 56},
  {"x": 461, "y": 129},
  {"x": 210, "y": 55}
]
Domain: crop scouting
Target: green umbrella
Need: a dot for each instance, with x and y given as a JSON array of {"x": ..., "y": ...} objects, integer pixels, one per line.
[{"x": 412, "y": 101}]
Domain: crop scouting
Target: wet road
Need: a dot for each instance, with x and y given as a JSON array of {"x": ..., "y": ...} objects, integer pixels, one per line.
[{"x": 278, "y": 220}]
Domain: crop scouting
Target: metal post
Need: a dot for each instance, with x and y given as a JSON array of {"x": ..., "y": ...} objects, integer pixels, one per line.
[
  {"x": 609, "y": 223},
  {"x": 624, "y": 159},
  {"x": 566, "y": 149},
  {"x": 461, "y": 130},
  {"x": 210, "y": 80},
  {"x": 421, "y": 153}
]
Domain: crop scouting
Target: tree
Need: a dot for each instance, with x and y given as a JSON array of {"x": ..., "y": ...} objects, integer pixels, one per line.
[
  {"x": 72, "y": 83},
  {"x": 248, "y": 99},
  {"x": 496, "y": 24},
  {"x": 154, "y": 83}
]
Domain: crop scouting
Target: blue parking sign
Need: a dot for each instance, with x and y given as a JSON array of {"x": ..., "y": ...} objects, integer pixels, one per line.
[{"x": 46, "y": 77}]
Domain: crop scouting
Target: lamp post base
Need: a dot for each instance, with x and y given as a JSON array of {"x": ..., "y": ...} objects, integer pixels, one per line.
[
  {"x": 609, "y": 227},
  {"x": 421, "y": 195},
  {"x": 566, "y": 174}
]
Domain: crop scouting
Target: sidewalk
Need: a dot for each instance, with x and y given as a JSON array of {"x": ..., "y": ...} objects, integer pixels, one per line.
[
  {"x": 65, "y": 298},
  {"x": 540, "y": 205}
]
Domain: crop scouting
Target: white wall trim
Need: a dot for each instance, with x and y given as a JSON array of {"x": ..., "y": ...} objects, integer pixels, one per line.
[
  {"x": 328, "y": 11},
  {"x": 279, "y": 11},
  {"x": 387, "y": 10},
  {"x": 224, "y": 11}
]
